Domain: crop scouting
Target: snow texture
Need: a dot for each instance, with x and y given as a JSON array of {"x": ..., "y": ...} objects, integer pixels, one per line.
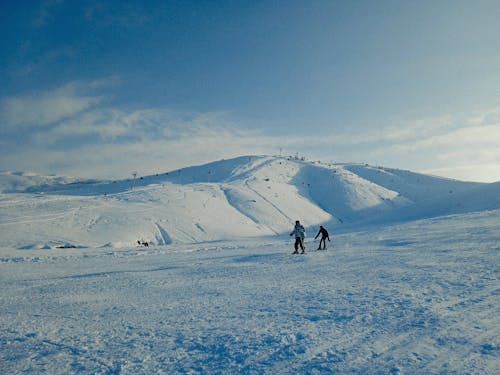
[
  {"x": 408, "y": 284},
  {"x": 249, "y": 196}
]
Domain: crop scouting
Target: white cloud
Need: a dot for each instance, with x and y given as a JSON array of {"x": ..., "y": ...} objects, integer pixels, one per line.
[
  {"x": 470, "y": 172},
  {"x": 468, "y": 148},
  {"x": 105, "y": 123},
  {"x": 487, "y": 117},
  {"x": 409, "y": 131},
  {"x": 76, "y": 136},
  {"x": 108, "y": 143},
  {"x": 478, "y": 136},
  {"x": 45, "y": 108},
  {"x": 115, "y": 160}
]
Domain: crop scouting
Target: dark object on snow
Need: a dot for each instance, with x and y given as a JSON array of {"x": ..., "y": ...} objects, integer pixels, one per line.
[
  {"x": 67, "y": 246},
  {"x": 142, "y": 243},
  {"x": 324, "y": 237}
]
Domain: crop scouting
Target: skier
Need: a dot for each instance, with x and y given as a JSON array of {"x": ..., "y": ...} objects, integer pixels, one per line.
[
  {"x": 324, "y": 237},
  {"x": 299, "y": 232}
]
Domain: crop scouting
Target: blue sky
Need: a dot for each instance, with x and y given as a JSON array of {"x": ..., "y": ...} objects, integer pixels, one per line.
[{"x": 101, "y": 88}]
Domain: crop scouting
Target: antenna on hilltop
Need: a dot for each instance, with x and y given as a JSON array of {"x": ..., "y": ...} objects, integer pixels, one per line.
[{"x": 134, "y": 175}]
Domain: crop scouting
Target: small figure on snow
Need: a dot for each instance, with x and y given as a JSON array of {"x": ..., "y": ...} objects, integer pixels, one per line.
[
  {"x": 324, "y": 237},
  {"x": 300, "y": 233}
]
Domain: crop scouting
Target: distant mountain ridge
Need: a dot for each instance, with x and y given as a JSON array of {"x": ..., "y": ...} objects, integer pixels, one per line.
[
  {"x": 239, "y": 197},
  {"x": 12, "y": 182}
]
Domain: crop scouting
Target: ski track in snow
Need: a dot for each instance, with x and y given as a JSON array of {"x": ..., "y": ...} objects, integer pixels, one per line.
[
  {"x": 221, "y": 295},
  {"x": 421, "y": 297},
  {"x": 243, "y": 197}
]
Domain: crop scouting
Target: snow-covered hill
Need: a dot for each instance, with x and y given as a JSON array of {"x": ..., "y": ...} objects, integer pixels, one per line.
[
  {"x": 243, "y": 197},
  {"x": 416, "y": 297}
]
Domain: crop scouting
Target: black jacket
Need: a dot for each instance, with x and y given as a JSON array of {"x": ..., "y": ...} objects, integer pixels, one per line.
[{"x": 323, "y": 232}]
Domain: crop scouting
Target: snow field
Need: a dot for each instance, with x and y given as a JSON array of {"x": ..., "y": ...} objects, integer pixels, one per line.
[
  {"x": 218, "y": 291},
  {"x": 249, "y": 196},
  {"x": 420, "y": 297}
]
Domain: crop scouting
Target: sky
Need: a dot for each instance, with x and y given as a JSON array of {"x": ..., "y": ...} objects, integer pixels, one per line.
[{"x": 99, "y": 89}]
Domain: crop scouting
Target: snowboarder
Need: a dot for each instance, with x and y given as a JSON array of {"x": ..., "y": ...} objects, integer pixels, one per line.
[
  {"x": 324, "y": 237},
  {"x": 300, "y": 233}
]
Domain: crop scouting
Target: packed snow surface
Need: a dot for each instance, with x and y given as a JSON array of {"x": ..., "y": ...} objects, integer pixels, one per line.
[
  {"x": 409, "y": 282},
  {"x": 421, "y": 297}
]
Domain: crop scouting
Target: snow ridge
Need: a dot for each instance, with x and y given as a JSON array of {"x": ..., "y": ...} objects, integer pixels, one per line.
[{"x": 247, "y": 196}]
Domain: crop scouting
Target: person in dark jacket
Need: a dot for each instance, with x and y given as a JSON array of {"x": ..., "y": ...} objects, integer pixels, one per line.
[
  {"x": 324, "y": 237},
  {"x": 300, "y": 234}
]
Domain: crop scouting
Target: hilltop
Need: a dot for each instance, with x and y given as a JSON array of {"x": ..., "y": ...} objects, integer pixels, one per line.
[
  {"x": 408, "y": 284},
  {"x": 247, "y": 196}
]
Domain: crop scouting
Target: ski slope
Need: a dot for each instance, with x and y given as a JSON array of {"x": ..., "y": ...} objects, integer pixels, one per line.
[
  {"x": 249, "y": 196},
  {"x": 409, "y": 284},
  {"x": 419, "y": 298}
]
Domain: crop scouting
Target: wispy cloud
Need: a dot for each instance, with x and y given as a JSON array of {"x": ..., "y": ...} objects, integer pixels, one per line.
[
  {"x": 48, "y": 107},
  {"x": 463, "y": 148},
  {"x": 119, "y": 14},
  {"x": 33, "y": 62},
  {"x": 471, "y": 172},
  {"x": 74, "y": 132},
  {"x": 45, "y": 12},
  {"x": 110, "y": 143}
]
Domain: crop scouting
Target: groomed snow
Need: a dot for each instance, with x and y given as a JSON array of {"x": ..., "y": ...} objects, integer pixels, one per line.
[
  {"x": 409, "y": 284},
  {"x": 421, "y": 297}
]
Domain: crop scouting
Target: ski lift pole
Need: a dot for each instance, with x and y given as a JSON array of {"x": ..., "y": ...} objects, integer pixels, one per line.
[{"x": 134, "y": 175}]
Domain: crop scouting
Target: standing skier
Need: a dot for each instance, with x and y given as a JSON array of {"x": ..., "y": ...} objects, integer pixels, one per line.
[
  {"x": 299, "y": 232},
  {"x": 324, "y": 236}
]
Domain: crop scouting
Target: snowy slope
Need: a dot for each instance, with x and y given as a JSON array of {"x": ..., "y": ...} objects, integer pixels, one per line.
[
  {"x": 394, "y": 294},
  {"x": 414, "y": 186},
  {"x": 243, "y": 197},
  {"x": 415, "y": 298}
]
